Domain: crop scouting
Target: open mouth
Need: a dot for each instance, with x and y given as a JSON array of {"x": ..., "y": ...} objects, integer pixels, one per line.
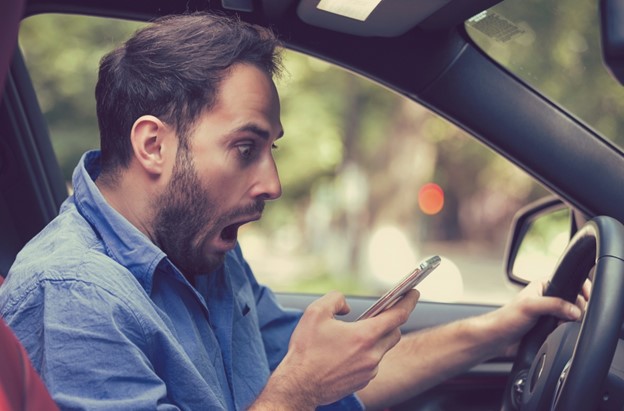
[{"x": 230, "y": 233}]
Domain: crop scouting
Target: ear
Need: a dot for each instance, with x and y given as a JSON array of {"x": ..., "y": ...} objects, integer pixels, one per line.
[{"x": 153, "y": 142}]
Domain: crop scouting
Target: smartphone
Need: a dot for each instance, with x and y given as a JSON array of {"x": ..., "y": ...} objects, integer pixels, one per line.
[{"x": 410, "y": 281}]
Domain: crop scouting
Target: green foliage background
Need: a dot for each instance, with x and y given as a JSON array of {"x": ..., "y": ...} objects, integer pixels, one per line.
[
  {"x": 560, "y": 54},
  {"x": 355, "y": 151}
]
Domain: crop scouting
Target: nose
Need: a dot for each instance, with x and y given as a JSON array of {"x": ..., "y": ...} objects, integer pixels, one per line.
[{"x": 267, "y": 185}]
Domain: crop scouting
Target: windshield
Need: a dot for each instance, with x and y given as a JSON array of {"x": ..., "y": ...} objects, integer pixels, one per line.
[{"x": 554, "y": 45}]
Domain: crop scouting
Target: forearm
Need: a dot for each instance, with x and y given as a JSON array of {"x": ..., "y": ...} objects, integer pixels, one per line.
[
  {"x": 280, "y": 394},
  {"x": 422, "y": 360}
]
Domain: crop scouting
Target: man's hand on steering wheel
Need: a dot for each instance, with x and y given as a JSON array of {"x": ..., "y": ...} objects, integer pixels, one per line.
[
  {"x": 514, "y": 319},
  {"x": 563, "y": 366}
]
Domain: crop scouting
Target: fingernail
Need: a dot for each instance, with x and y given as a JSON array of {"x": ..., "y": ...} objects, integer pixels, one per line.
[{"x": 575, "y": 312}]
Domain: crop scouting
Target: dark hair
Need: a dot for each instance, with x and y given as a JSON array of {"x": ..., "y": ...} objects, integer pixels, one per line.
[{"x": 172, "y": 69}]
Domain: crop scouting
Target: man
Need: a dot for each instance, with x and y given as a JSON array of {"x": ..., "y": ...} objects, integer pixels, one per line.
[{"x": 137, "y": 295}]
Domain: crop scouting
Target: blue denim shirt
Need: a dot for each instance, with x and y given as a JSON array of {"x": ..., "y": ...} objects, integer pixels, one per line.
[{"x": 111, "y": 324}]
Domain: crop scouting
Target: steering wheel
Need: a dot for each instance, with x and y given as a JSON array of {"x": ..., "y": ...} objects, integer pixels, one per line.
[{"x": 563, "y": 367}]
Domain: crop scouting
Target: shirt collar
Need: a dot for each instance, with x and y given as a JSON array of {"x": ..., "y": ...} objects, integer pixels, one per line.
[{"x": 123, "y": 241}]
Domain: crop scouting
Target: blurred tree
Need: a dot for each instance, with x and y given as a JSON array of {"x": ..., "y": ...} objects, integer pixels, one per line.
[
  {"x": 354, "y": 154},
  {"x": 560, "y": 54},
  {"x": 62, "y": 53}
]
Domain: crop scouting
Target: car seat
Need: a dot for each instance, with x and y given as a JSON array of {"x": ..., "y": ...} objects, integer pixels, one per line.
[{"x": 21, "y": 388}]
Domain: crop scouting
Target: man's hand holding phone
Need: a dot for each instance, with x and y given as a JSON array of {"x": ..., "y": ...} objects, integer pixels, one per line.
[{"x": 328, "y": 358}]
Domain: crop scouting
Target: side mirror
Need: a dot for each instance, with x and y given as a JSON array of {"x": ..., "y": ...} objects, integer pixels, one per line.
[{"x": 539, "y": 234}]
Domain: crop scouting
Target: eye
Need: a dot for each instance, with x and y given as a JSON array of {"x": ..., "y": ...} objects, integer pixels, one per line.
[{"x": 245, "y": 150}]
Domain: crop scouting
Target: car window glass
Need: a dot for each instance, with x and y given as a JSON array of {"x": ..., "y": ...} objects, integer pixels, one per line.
[
  {"x": 62, "y": 53},
  {"x": 372, "y": 182},
  {"x": 554, "y": 45}
]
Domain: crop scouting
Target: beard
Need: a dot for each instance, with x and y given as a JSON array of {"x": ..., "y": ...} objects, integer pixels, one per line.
[{"x": 188, "y": 213}]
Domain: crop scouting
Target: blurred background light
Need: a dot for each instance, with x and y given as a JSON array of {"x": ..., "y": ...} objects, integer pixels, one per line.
[{"x": 431, "y": 198}]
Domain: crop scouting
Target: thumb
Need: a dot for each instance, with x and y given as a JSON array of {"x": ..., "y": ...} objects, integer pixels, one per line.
[{"x": 336, "y": 301}]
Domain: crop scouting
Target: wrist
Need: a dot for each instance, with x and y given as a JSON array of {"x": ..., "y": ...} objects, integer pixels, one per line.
[
  {"x": 482, "y": 336},
  {"x": 497, "y": 332},
  {"x": 282, "y": 393}
]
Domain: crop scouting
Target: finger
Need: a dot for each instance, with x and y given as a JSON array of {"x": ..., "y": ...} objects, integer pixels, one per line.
[
  {"x": 388, "y": 341},
  {"x": 556, "y": 307},
  {"x": 581, "y": 303},
  {"x": 534, "y": 288},
  {"x": 586, "y": 289},
  {"x": 333, "y": 303},
  {"x": 409, "y": 300},
  {"x": 396, "y": 315}
]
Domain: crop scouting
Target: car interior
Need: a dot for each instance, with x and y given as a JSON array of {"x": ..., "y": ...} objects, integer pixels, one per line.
[{"x": 419, "y": 50}]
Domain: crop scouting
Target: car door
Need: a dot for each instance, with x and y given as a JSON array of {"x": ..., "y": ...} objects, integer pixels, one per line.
[{"x": 31, "y": 186}]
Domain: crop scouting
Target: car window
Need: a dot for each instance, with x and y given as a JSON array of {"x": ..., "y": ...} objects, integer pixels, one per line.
[
  {"x": 372, "y": 182},
  {"x": 554, "y": 45}
]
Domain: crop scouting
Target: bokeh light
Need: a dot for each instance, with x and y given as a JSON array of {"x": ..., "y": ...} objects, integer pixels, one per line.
[{"x": 431, "y": 198}]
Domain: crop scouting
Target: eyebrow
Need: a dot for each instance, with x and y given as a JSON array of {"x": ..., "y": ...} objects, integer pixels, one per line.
[{"x": 259, "y": 131}]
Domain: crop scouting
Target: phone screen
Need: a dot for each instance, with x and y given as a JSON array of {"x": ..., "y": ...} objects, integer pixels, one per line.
[{"x": 407, "y": 283}]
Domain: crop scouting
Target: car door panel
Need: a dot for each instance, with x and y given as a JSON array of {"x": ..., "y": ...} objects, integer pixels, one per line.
[{"x": 31, "y": 186}]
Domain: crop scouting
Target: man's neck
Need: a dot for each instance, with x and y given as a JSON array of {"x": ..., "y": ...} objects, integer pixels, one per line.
[{"x": 130, "y": 199}]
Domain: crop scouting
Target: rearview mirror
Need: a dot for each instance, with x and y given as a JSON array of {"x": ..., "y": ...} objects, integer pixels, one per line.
[{"x": 539, "y": 234}]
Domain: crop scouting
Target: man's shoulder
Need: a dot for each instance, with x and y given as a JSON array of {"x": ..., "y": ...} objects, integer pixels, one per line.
[
  {"x": 67, "y": 241},
  {"x": 67, "y": 250}
]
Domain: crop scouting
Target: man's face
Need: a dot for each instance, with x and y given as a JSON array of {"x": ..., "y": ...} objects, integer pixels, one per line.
[{"x": 223, "y": 179}]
